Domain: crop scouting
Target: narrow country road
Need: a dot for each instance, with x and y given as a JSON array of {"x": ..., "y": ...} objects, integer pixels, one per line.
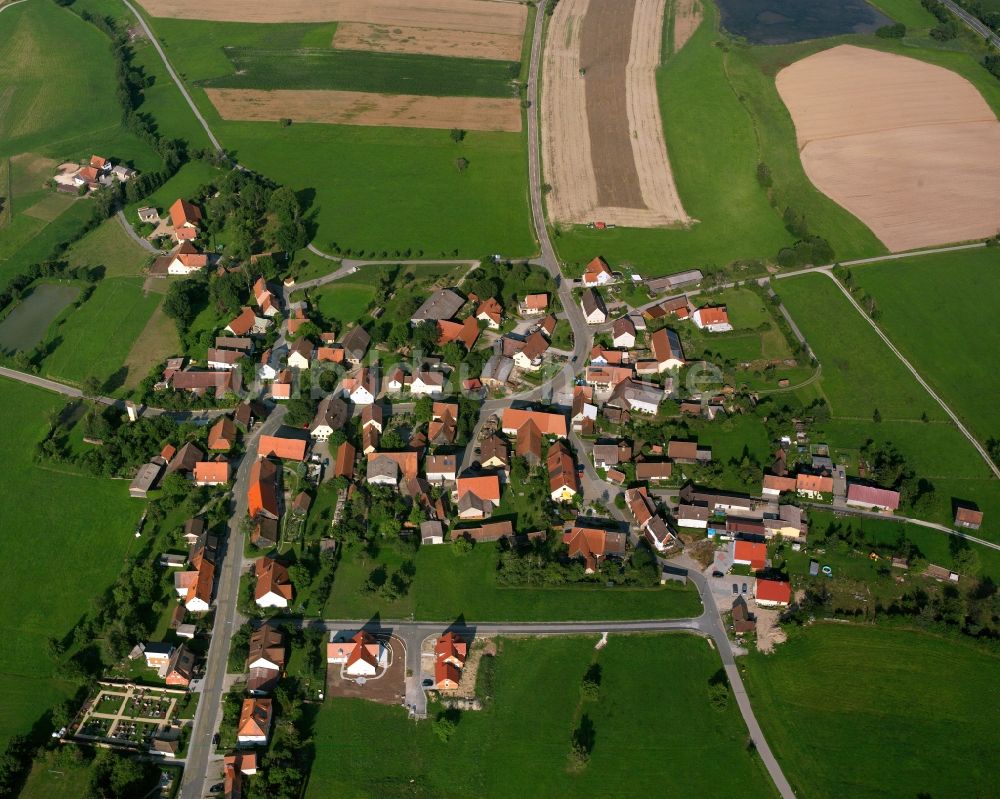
[
  {"x": 708, "y": 624},
  {"x": 135, "y": 236},
  {"x": 170, "y": 70},
  {"x": 846, "y": 511},
  {"x": 75, "y": 393},
  {"x": 934, "y": 395},
  {"x": 198, "y": 774},
  {"x": 972, "y": 22}
]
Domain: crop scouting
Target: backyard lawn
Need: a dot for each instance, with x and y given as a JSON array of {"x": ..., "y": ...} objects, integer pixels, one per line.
[
  {"x": 924, "y": 305},
  {"x": 875, "y": 712},
  {"x": 446, "y": 585},
  {"x": 65, "y": 552},
  {"x": 518, "y": 745}
]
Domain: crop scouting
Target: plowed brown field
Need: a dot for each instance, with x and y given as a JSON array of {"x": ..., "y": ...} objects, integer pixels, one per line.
[
  {"x": 368, "y": 109},
  {"x": 909, "y": 148}
]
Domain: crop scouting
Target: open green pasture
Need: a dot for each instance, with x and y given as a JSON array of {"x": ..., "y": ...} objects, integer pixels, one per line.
[
  {"x": 446, "y": 585},
  {"x": 910, "y": 12},
  {"x": 860, "y": 374},
  {"x": 66, "y": 535},
  {"x": 62, "y": 103},
  {"x": 110, "y": 248},
  {"x": 386, "y": 190},
  {"x": 94, "y": 340},
  {"x": 933, "y": 307},
  {"x": 874, "y": 712},
  {"x": 518, "y": 745},
  {"x": 357, "y": 71}
]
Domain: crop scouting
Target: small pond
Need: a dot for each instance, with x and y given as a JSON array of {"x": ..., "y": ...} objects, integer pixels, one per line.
[
  {"x": 25, "y": 326},
  {"x": 783, "y": 21}
]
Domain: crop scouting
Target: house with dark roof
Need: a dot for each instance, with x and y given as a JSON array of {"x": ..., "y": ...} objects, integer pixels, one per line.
[{"x": 594, "y": 309}]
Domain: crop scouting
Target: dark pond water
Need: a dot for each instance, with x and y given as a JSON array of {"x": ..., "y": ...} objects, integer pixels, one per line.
[
  {"x": 27, "y": 324},
  {"x": 783, "y": 21}
]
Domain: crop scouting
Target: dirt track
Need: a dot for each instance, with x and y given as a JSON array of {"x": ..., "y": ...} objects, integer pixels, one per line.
[
  {"x": 687, "y": 18},
  {"x": 427, "y": 41},
  {"x": 909, "y": 148},
  {"x": 484, "y": 16},
  {"x": 367, "y": 109},
  {"x": 602, "y": 134}
]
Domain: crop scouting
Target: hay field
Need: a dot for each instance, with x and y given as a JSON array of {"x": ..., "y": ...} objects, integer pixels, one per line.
[
  {"x": 368, "y": 109},
  {"x": 484, "y": 16},
  {"x": 427, "y": 41},
  {"x": 909, "y": 148},
  {"x": 605, "y": 156}
]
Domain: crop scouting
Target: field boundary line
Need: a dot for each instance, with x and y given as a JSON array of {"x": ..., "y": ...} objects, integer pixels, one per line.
[
  {"x": 934, "y": 395},
  {"x": 170, "y": 70}
]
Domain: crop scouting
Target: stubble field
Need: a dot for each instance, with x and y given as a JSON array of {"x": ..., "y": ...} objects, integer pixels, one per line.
[
  {"x": 911, "y": 149},
  {"x": 486, "y": 16},
  {"x": 605, "y": 156},
  {"x": 427, "y": 41},
  {"x": 368, "y": 109}
]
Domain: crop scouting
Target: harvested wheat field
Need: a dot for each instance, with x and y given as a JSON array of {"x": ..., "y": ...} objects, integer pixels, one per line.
[
  {"x": 909, "y": 148},
  {"x": 687, "y": 18},
  {"x": 484, "y": 16},
  {"x": 427, "y": 41},
  {"x": 368, "y": 109},
  {"x": 605, "y": 156}
]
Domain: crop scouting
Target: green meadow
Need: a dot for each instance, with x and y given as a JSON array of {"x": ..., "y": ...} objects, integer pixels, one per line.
[
  {"x": 383, "y": 192},
  {"x": 95, "y": 339},
  {"x": 933, "y": 308},
  {"x": 874, "y": 712},
  {"x": 65, "y": 539},
  {"x": 518, "y": 744},
  {"x": 860, "y": 376},
  {"x": 446, "y": 585}
]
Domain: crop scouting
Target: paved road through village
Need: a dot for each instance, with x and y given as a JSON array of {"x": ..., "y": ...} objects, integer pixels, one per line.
[{"x": 202, "y": 765}]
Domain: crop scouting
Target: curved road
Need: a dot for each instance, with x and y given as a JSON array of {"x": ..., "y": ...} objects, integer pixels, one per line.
[
  {"x": 173, "y": 75},
  {"x": 135, "y": 236}
]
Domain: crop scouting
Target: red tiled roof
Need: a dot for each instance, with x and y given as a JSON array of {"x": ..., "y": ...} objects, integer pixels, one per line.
[
  {"x": 211, "y": 472},
  {"x": 486, "y": 487},
  {"x": 344, "y": 466},
  {"x": 752, "y": 552},
  {"x": 272, "y": 577},
  {"x": 536, "y": 302},
  {"x": 773, "y": 591},
  {"x": 184, "y": 213},
  {"x": 814, "y": 482},
  {"x": 713, "y": 315},
  {"x": 292, "y": 449},
  {"x": 550, "y": 424}
]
